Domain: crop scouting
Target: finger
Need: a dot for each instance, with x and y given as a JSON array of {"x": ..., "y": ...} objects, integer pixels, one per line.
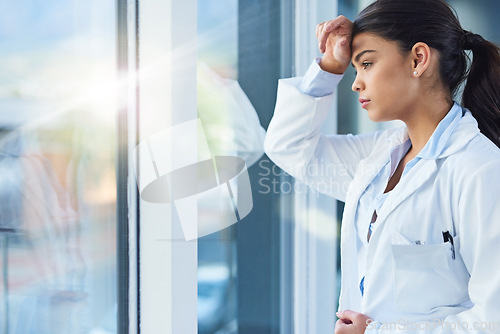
[
  {"x": 322, "y": 35},
  {"x": 341, "y": 23},
  {"x": 347, "y": 315},
  {"x": 329, "y": 27},
  {"x": 342, "y": 327},
  {"x": 319, "y": 28}
]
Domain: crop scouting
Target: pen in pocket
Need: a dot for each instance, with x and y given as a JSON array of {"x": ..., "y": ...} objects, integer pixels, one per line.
[{"x": 447, "y": 237}]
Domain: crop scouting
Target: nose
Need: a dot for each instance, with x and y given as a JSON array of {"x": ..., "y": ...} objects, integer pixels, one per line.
[{"x": 358, "y": 84}]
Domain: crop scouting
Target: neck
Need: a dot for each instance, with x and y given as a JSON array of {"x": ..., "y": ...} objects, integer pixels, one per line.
[{"x": 423, "y": 122}]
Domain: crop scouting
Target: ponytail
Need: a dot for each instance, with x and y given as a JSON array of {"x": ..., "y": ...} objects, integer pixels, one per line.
[{"x": 482, "y": 91}]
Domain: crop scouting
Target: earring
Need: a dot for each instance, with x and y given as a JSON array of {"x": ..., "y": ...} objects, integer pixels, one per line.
[{"x": 415, "y": 73}]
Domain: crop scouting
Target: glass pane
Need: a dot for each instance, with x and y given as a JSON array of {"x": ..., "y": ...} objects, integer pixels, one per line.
[
  {"x": 239, "y": 63},
  {"x": 57, "y": 166},
  {"x": 217, "y": 69}
]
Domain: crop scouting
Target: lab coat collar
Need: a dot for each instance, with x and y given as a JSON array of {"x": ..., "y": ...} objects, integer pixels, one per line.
[
  {"x": 466, "y": 129},
  {"x": 439, "y": 138},
  {"x": 454, "y": 132}
]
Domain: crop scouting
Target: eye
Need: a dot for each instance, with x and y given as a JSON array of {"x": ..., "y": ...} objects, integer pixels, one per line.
[{"x": 365, "y": 65}]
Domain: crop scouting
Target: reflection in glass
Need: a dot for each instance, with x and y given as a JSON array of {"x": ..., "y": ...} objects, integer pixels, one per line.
[
  {"x": 232, "y": 128},
  {"x": 57, "y": 167}
]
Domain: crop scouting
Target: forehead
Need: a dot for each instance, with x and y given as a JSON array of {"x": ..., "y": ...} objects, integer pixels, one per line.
[
  {"x": 365, "y": 38},
  {"x": 368, "y": 41}
]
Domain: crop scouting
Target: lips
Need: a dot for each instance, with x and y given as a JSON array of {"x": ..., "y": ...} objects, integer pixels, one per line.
[{"x": 364, "y": 102}]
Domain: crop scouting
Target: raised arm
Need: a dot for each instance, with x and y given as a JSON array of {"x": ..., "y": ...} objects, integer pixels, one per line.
[{"x": 294, "y": 141}]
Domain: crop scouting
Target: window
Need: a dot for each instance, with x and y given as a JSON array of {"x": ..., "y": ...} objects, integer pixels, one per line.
[
  {"x": 58, "y": 142},
  {"x": 217, "y": 71}
]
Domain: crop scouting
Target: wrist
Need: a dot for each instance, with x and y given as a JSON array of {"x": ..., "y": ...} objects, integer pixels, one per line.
[{"x": 332, "y": 66}]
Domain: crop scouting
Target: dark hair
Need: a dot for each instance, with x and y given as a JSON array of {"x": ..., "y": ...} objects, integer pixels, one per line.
[{"x": 434, "y": 22}]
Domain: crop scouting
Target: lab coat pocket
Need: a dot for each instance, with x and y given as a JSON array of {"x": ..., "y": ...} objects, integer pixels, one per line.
[{"x": 420, "y": 276}]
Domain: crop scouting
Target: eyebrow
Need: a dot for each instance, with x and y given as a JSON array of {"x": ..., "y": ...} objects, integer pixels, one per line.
[{"x": 359, "y": 55}]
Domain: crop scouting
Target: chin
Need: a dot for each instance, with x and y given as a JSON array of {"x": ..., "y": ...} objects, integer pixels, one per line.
[{"x": 376, "y": 116}]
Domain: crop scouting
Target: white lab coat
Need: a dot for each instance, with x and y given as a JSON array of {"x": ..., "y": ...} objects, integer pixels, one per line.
[{"x": 458, "y": 191}]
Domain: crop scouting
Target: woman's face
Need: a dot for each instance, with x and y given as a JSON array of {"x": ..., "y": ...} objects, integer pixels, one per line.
[{"x": 385, "y": 81}]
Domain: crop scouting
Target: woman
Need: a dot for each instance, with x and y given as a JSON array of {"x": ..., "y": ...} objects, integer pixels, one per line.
[{"x": 421, "y": 228}]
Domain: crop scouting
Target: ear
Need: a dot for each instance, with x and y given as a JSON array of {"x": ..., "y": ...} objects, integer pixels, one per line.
[{"x": 421, "y": 58}]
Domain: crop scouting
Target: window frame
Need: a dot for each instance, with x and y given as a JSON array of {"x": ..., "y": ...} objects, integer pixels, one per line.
[
  {"x": 167, "y": 263},
  {"x": 128, "y": 303},
  {"x": 315, "y": 287}
]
